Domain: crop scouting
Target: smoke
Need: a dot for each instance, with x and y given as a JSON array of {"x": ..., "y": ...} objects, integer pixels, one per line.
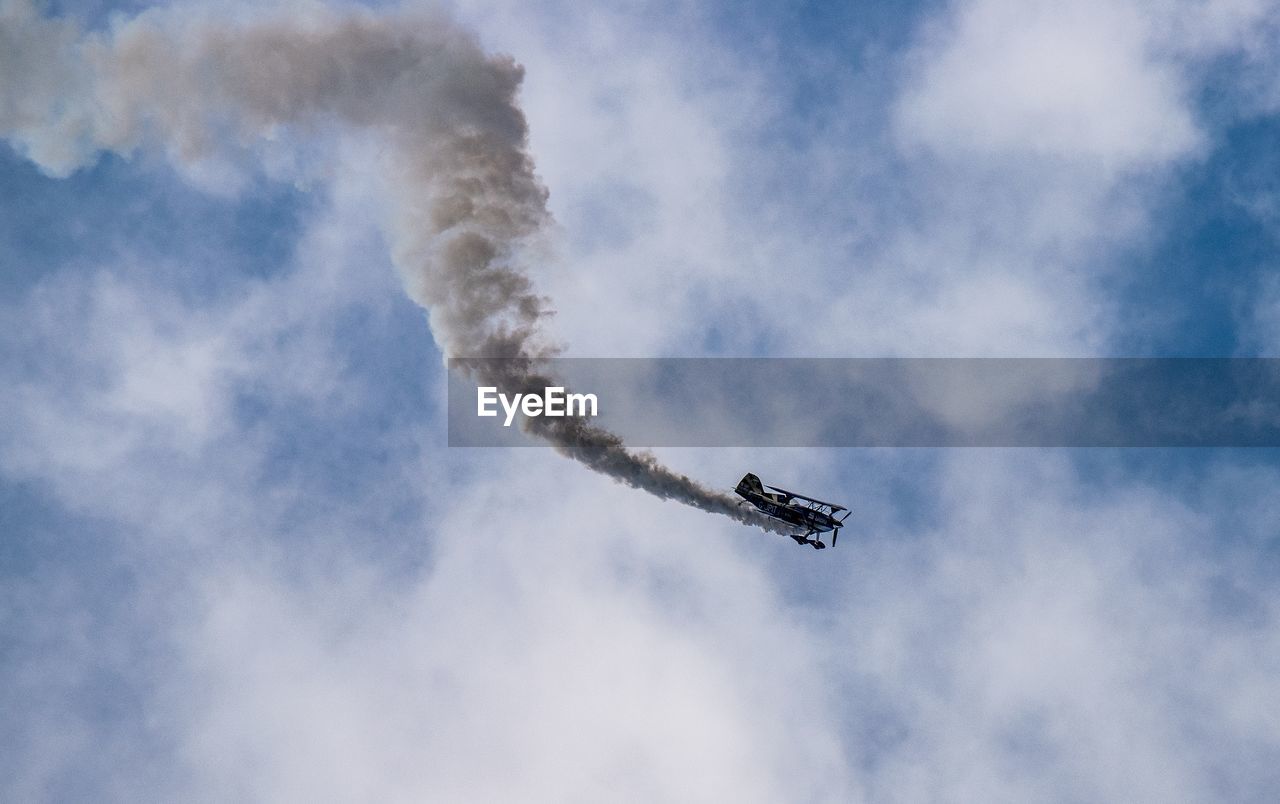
[{"x": 467, "y": 201}]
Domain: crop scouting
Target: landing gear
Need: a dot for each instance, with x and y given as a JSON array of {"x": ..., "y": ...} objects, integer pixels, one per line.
[{"x": 816, "y": 544}]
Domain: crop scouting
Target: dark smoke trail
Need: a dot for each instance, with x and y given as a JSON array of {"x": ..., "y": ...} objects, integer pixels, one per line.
[{"x": 467, "y": 198}]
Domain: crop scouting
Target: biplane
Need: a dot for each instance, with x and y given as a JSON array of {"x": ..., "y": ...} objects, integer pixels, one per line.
[{"x": 815, "y": 517}]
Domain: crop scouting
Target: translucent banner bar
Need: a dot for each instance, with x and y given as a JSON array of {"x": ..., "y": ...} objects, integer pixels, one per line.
[{"x": 872, "y": 402}]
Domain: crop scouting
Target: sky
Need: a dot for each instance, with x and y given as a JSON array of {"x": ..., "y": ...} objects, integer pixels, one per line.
[{"x": 239, "y": 562}]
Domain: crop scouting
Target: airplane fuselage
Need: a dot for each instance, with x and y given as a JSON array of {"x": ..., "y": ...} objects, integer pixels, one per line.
[{"x": 792, "y": 514}]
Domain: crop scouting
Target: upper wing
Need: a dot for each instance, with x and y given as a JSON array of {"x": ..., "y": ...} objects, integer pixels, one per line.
[{"x": 832, "y": 506}]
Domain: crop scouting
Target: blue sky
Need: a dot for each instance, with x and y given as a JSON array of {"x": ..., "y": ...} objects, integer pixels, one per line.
[{"x": 238, "y": 560}]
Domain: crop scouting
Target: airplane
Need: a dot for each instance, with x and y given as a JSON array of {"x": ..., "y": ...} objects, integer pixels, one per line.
[{"x": 815, "y": 516}]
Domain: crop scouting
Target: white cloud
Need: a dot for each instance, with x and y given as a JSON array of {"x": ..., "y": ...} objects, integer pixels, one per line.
[
  {"x": 628, "y": 126},
  {"x": 1057, "y": 639},
  {"x": 43, "y": 88},
  {"x": 569, "y": 649},
  {"x": 1012, "y": 630},
  {"x": 686, "y": 198},
  {"x": 1073, "y": 82}
]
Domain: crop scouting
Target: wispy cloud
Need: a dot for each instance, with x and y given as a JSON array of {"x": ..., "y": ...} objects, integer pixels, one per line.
[{"x": 239, "y": 564}]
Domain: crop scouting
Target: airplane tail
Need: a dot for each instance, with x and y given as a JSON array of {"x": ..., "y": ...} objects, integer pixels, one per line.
[{"x": 749, "y": 483}]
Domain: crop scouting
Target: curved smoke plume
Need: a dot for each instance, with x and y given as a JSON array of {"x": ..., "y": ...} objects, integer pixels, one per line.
[{"x": 466, "y": 195}]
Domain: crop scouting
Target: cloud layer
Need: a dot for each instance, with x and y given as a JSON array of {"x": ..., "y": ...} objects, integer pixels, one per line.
[{"x": 241, "y": 565}]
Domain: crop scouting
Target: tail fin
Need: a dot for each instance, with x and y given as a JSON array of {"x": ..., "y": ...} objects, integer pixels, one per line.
[{"x": 749, "y": 483}]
